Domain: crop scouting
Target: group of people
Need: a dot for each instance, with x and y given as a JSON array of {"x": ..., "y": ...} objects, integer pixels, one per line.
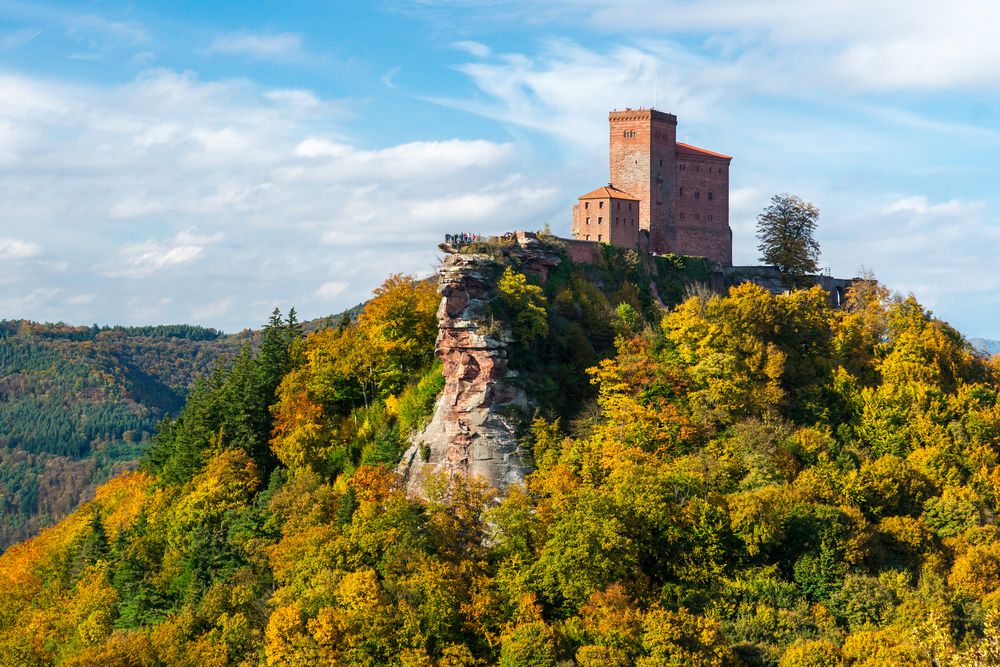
[{"x": 462, "y": 238}]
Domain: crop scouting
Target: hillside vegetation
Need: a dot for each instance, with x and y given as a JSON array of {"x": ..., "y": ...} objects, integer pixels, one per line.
[
  {"x": 80, "y": 404},
  {"x": 743, "y": 480}
]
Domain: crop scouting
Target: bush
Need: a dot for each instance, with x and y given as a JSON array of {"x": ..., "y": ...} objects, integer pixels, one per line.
[
  {"x": 816, "y": 653},
  {"x": 416, "y": 403},
  {"x": 529, "y": 645}
]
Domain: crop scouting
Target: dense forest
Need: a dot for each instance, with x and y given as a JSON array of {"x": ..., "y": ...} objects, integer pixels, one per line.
[
  {"x": 747, "y": 479},
  {"x": 80, "y": 404}
]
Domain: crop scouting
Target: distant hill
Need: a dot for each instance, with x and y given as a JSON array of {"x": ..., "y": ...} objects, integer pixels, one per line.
[
  {"x": 79, "y": 404},
  {"x": 986, "y": 346}
]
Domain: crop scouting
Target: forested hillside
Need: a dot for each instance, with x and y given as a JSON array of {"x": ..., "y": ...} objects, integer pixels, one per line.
[
  {"x": 746, "y": 479},
  {"x": 79, "y": 404}
]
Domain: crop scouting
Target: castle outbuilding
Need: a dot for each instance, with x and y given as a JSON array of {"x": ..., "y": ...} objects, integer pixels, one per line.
[
  {"x": 608, "y": 215},
  {"x": 681, "y": 191}
]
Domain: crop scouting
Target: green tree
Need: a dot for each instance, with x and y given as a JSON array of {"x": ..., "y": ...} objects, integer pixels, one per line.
[{"x": 786, "y": 229}]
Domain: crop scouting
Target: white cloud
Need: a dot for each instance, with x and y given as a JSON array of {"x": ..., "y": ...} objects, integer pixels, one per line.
[
  {"x": 477, "y": 49},
  {"x": 87, "y": 26},
  {"x": 80, "y": 299},
  {"x": 140, "y": 260},
  {"x": 388, "y": 76},
  {"x": 214, "y": 311},
  {"x": 920, "y": 206},
  {"x": 331, "y": 290},
  {"x": 278, "y": 46},
  {"x": 13, "y": 39},
  {"x": 173, "y": 197},
  {"x": 11, "y": 248},
  {"x": 790, "y": 44},
  {"x": 916, "y": 244},
  {"x": 297, "y": 98},
  {"x": 421, "y": 160},
  {"x": 876, "y": 44},
  {"x": 38, "y": 298},
  {"x": 568, "y": 89}
]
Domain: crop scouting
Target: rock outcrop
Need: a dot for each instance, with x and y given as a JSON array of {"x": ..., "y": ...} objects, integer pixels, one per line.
[{"x": 473, "y": 430}]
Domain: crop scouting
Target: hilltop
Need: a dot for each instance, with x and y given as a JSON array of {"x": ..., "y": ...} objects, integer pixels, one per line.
[{"x": 739, "y": 479}]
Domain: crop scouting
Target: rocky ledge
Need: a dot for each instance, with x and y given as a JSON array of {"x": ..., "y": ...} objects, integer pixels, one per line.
[{"x": 472, "y": 433}]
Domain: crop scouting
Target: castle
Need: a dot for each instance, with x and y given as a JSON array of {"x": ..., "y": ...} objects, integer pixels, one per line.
[{"x": 663, "y": 196}]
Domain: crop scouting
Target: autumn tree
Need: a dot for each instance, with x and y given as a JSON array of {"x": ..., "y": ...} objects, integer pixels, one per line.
[{"x": 786, "y": 231}]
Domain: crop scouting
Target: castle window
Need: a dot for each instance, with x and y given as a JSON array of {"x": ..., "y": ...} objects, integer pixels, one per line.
[
  {"x": 661, "y": 163},
  {"x": 681, "y": 215},
  {"x": 681, "y": 192},
  {"x": 588, "y": 221},
  {"x": 588, "y": 237},
  {"x": 598, "y": 237},
  {"x": 600, "y": 204},
  {"x": 697, "y": 194},
  {"x": 710, "y": 218},
  {"x": 599, "y": 219},
  {"x": 586, "y": 204},
  {"x": 709, "y": 195}
]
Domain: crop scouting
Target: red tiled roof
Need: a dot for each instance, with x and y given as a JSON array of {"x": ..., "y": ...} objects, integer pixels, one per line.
[
  {"x": 608, "y": 192},
  {"x": 688, "y": 148}
]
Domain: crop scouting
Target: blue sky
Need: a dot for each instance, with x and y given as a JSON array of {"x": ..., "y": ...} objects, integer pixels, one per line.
[{"x": 204, "y": 162}]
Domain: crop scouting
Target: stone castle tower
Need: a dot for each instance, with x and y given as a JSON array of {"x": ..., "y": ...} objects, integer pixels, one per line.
[{"x": 682, "y": 191}]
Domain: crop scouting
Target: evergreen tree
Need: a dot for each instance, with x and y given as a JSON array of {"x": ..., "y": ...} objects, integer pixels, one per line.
[{"x": 786, "y": 229}]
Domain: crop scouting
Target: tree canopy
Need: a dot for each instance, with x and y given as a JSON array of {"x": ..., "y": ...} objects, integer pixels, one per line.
[
  {"x": 786, "y": 231},
  {"x": 752, "y": 479}
]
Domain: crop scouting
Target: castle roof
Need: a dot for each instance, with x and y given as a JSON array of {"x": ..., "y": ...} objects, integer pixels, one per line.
[
  {"x": 608, "y": 192},
  {"x": 688, "y": 148}
]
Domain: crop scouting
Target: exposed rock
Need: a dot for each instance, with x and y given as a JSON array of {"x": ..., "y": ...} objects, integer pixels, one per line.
[{"x": 473, "y": 430}]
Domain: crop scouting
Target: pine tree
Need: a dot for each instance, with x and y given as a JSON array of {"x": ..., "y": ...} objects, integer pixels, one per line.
[{"x": 786, "y": 229}]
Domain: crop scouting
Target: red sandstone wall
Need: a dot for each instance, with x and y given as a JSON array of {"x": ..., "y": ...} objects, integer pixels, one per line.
[
  {"x": 591, "y": 209},
  {"x": 583, "y": 252},
  {"x": 644, "y": 166},
  {"x": 623, "y": 222},
  {"x": 702, "y": 223},
  {"x": 611, "y": 221}
]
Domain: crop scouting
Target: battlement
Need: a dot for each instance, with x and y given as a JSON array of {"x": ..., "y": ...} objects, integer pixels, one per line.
[{"x": 642, "y": 114}]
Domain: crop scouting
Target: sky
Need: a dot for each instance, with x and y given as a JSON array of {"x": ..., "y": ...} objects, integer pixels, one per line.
[{"x": 204, "y": 162}]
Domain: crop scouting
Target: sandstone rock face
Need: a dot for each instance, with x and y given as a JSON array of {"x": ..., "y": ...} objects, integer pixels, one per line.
[{"x": 472, "y": 432}]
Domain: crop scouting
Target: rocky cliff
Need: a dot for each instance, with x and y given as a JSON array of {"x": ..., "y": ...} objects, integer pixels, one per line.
[{"x": 472, "y": 432}]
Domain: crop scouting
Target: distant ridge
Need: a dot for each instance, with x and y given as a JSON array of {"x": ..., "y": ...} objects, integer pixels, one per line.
[{"x": 986, "y": 346}]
